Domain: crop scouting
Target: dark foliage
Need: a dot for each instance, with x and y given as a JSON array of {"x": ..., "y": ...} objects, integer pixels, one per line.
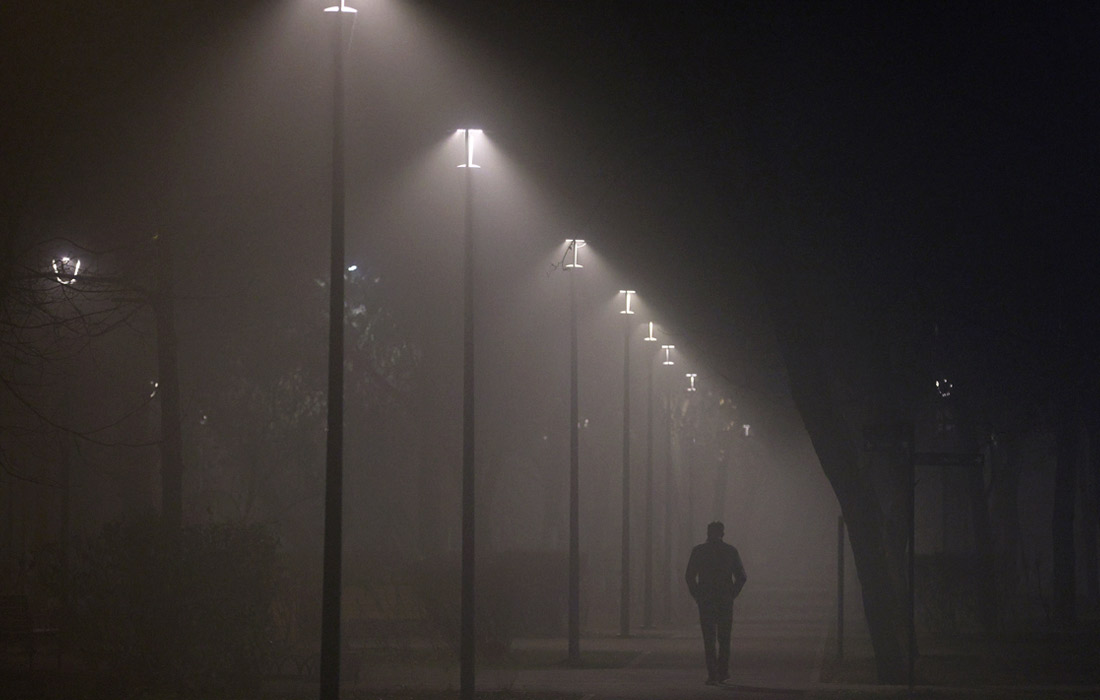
[{"x": 190, "y": 609}]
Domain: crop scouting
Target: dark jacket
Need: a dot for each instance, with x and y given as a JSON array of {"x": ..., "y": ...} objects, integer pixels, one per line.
[{"x": 714, "y": 572}]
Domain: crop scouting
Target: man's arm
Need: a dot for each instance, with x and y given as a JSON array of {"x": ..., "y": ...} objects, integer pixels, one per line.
[
  {"x": 739, "y": 576},
  {"x": 692, "y": 574}
]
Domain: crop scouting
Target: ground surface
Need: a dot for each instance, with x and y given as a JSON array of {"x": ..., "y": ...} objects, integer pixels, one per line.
[{"x": 782, "y": 648}]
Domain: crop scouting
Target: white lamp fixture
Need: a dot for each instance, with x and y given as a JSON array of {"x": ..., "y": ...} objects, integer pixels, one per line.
[
  {"x": 469, "y": 148},
  {"x": 340, "y": 8},
  {"x": 691, "y": 381},
  {"x": 627, "y": 292},
  {"x": 668, "y": 349},
  {"x": 651, "y": 338},
  {"x": 575, "y": 244}
]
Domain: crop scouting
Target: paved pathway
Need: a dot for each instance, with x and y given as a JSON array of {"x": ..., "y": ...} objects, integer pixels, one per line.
[{"x": 778, "y": 644}]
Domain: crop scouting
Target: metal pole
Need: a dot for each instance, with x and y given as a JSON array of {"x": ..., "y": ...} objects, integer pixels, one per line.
[
  {"x": 467, "y": 656},
  {"x": 912, "y": 556},
  {"x": 334, "y": 468},
  {"x": 574, "y": 481},
  {"x": 669, "y": 574},
  {"x": 624, "y": 601},
  {"x": 647, "y": 598},
  {"x": 840, "y": 588}
]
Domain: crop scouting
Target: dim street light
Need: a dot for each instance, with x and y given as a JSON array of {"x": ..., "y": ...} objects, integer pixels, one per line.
[
  {"x": 668, "y": 359},
  {"x": 65, "y": 270},
  {"x": 691, "y": 381}
]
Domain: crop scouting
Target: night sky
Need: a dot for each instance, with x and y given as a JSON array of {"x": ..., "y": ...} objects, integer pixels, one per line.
[{"x": 933, "y": 161}]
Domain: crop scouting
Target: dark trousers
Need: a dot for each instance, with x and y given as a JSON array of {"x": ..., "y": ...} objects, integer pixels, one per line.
[{"x": 716, "y": 621}]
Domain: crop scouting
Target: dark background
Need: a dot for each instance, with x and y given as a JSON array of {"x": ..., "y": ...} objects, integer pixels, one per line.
[{"x": 923, "y": 176}]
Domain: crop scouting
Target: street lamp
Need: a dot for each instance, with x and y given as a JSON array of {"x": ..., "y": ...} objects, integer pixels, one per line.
[
  {"x": 66, "y": 269},
  {"x": 647, "y": 585},
  {"x": 334, "y": 452},
  {"x": 668, "y": 491},
  {"x": 467, "y": 639},
  {"x": 624, "y": 585},
  {"x": 691, "y": 381},
  {"x": 574, "y": 464}
]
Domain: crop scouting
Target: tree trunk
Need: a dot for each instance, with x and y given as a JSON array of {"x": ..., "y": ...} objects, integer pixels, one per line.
[
  {"x": 986, "y": 600},
  {"x": 838, "y": 454},
  {"x": 171, "y": 440},
  {"x": 721, "y": 477},
  {"x": 1092, "y": 513},
  {"x": 1064, "y": 576}
]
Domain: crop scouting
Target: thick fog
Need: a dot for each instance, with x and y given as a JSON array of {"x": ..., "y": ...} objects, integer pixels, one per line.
[{"x": 224, "y": 152}]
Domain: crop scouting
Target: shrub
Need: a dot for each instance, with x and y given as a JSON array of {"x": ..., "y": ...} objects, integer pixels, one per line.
[{"x": 188, "y": 609}]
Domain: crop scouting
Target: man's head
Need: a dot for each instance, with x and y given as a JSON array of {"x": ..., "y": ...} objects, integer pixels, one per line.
[{"x": 716, "y": 530}]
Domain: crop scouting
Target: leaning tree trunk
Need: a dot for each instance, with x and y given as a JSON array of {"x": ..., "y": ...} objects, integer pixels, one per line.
[
  {"x": 1092, "y": 512},
  {"x": 838, "y": 453},
  {"x": 1064, "y": 577}
]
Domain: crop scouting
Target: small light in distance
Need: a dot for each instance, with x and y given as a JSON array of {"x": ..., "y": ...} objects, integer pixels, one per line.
[
  {"x": 668, "y": 359},
  {"x": 691, "y": 381},
  {"x": 944, "y": 388}
]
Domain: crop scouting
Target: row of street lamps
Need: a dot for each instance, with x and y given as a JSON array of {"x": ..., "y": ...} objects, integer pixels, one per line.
[
  {"x": 330, "y": 614},
  {"x": 573, "y": 264},
  {"x": 65, "y": 271}
]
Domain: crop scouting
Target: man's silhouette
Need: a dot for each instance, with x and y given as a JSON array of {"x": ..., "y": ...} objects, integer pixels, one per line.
[{"x": 715, "y": 577}]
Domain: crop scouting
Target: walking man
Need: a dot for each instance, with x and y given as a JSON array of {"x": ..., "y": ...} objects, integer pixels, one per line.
[{"x": 715, "y": 577}]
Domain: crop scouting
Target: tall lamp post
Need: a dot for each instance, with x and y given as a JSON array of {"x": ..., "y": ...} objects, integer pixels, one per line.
[
  {"x": 467, "y": 638},
  {"x": 624, "y": 584},
  {"x": 334, "y": 467},
  {"x": 647, "y": 585},
  {"x": 670, "y": 576},
  {"x": 574, "y": 466}
]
